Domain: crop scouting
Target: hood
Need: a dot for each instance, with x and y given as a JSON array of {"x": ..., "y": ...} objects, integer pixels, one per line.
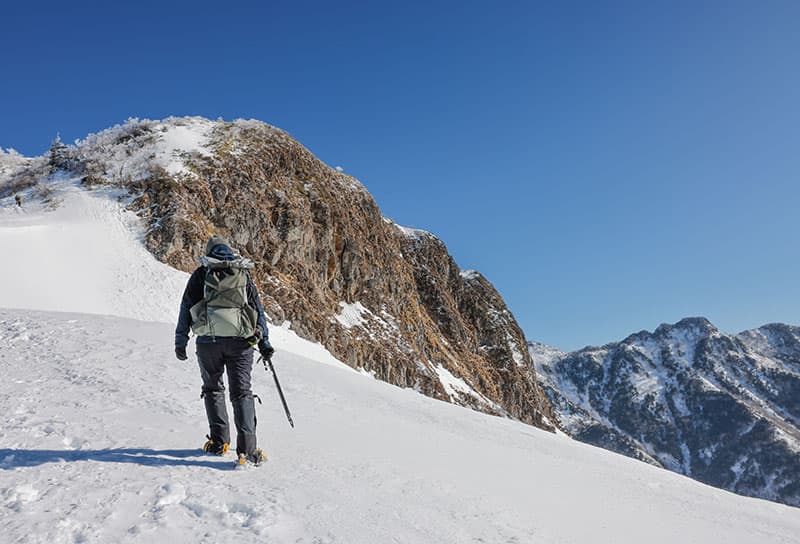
[{"x": 222, "y": 252}]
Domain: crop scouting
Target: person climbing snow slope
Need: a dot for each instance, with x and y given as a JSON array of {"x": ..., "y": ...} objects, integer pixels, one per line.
[{"x": 222, "y": 308}]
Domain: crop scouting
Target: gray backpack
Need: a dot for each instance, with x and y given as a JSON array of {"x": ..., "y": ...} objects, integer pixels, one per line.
[{"x": 225, "y": 310}]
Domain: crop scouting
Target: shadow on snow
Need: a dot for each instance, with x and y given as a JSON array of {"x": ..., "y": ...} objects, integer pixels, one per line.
[{"x": 11, "y": 458}]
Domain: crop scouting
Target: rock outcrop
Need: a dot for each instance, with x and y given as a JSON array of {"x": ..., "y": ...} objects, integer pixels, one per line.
[
  {"x": 380, "y": 297},
  {"x": 722, "y": 409}
]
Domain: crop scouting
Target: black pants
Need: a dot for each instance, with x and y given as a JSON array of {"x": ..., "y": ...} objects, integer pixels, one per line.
[{"x": 236, "y": 356}]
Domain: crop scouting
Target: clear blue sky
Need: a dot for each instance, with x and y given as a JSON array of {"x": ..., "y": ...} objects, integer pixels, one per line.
[{"x": 608, "y": 165}]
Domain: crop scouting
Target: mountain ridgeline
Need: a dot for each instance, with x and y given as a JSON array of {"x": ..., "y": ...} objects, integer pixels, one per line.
[
  {"x": 383, "y": 298},
  {"x": 723, "y": 409}
]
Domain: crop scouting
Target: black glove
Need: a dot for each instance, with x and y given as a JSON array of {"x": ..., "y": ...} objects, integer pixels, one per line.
[
  {"x": 180, "y": 353},
  {"x": 265, "y": 349}
]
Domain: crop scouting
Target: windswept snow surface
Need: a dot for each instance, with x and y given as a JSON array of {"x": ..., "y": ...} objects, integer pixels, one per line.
[
  {"x": 84, "y": 256},
  {"x": 103, "y": 425},
  {"x": 102, "y": 428}
]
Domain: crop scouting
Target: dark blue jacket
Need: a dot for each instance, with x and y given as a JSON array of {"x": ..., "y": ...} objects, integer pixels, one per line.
[{"x": 194, "y": 293}]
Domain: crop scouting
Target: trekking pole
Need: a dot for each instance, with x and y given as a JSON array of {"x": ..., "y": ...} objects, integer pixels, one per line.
[{"x": 278, "y": 385}]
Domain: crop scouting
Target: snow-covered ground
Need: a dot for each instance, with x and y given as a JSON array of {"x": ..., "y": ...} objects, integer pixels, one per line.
[
  {"x": 84, "y": 256},
  {"x": 103, "y": 425},
  {"x": 102, "y": 428}
]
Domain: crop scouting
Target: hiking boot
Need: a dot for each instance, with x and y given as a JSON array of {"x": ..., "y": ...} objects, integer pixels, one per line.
[
  {"x": 215, "y": 448},
  {"x": 255, "y": 458}
]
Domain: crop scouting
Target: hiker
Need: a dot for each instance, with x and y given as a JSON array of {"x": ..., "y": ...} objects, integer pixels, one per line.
[
  {"x": 222, "y": 307},
  {"x": 18, "y": 199}
]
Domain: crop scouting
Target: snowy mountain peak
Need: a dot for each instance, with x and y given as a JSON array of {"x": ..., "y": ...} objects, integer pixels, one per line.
[
  {"x": 720, "y": 408},
  {"x": 542, "y": 354},
  {"x": 688, "y": 328},
  {"x": 131, "y": 151},
  {"x": 698, "y": 326},
  {"x": 320, "y": 244}
]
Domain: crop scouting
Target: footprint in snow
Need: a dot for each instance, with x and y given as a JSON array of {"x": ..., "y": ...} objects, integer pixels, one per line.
[
  {"x": 14, "y": 498},
  {"x": 172, "y": 493},
  {"x": 74, "y": 443}
]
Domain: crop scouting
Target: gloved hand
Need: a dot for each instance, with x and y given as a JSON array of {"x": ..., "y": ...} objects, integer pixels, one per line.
[
  {"x": 265, "y": 349},
  {"x": 180, "y": 353}
]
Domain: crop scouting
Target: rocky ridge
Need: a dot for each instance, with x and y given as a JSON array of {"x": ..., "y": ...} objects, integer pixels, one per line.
[
  {"x": 723, "y": 409},
  {"x": 383, "y": 298}
]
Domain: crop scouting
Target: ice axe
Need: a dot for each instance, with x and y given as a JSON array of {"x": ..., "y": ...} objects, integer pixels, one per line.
[{"x": 268, "y": 361}]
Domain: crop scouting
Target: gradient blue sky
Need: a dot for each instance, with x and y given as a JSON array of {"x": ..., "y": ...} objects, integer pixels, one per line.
[{"x": 608, "y": 165}]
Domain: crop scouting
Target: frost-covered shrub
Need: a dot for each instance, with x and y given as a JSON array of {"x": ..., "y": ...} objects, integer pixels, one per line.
[
  {"x": 62, "y": 157},
  {"x": 18, "y": 173}
]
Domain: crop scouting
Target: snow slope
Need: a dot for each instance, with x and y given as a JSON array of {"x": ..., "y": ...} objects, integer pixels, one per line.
[
  {"x": 102, "y": 429},
  {"x": 103, "y": 425},
  {"x": 84, "y": 256}
]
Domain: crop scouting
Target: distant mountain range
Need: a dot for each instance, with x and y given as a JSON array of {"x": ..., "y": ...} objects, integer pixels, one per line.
[{"x": 723, "y": 409}]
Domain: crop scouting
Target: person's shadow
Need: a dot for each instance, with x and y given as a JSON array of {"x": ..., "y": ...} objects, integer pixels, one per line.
[{"x": 16, "y": 458}]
